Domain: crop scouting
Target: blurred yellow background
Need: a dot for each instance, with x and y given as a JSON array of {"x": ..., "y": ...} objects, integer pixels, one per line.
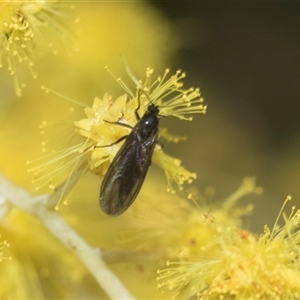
[{"x": 244, "y": 57}]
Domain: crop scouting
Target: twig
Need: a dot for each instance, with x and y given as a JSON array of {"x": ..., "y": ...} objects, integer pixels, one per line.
[{"x": 91, "y": 257}]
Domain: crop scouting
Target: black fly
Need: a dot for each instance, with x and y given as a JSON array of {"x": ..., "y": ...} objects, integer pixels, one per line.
[{"x": 127, "y": 172}]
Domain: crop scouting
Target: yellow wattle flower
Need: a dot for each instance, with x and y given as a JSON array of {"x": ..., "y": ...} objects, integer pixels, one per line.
[
  {"x": 98, "y": 144},
  {"x": 242, "y": 266},
  {"x": 21, "y": 30}
]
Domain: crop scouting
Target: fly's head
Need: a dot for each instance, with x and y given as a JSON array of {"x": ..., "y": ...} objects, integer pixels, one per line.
[{"x": 153, "y": 109}]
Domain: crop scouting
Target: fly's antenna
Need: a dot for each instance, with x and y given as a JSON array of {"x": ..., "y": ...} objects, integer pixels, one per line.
[
  {"x": 133, "y": 78},
  {"x": 130, "y": 74}
]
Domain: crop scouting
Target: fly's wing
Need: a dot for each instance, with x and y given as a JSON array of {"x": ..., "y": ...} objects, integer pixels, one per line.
[{"x": 126, "y": 174}]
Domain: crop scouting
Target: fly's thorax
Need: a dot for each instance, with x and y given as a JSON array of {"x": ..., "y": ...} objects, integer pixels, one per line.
[{"x": 148, "y": 124}]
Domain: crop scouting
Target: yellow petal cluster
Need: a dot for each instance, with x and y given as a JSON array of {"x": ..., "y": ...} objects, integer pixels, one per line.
[{"x": 242, "y": 266}]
